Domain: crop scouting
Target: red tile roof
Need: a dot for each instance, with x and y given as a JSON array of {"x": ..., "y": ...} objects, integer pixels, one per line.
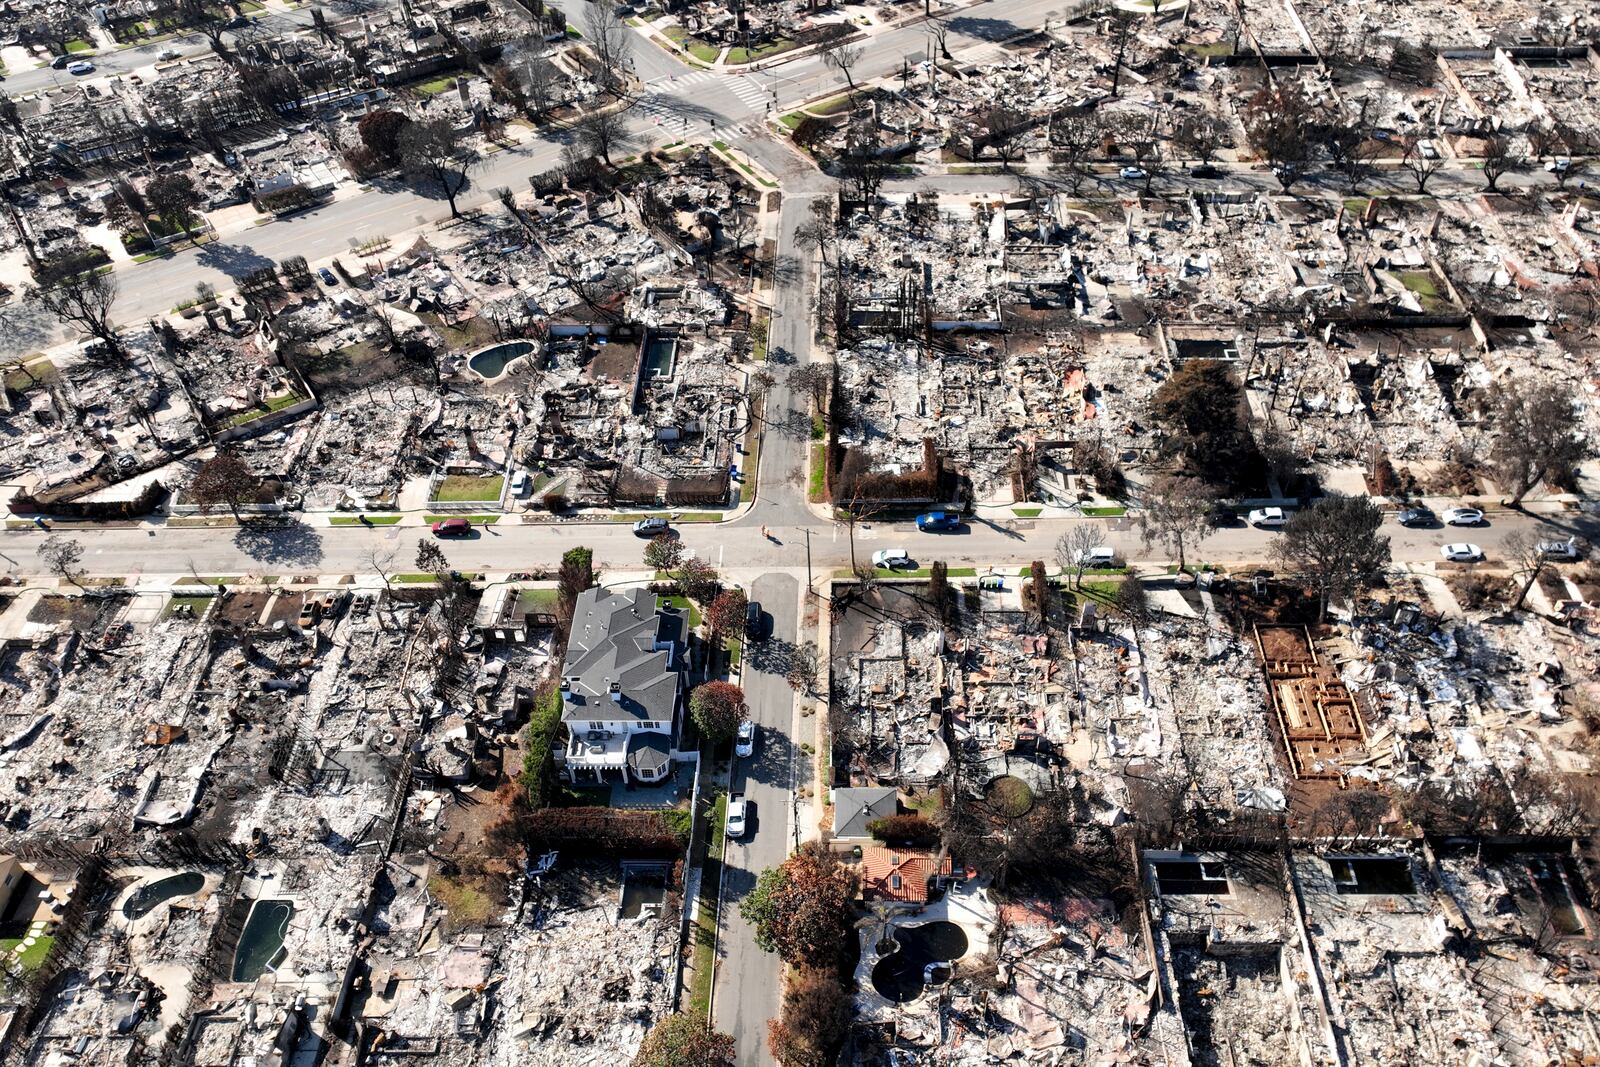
[{"x": 899, "y": 873}]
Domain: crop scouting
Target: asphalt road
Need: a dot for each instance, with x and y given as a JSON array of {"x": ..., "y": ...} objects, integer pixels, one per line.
[
  {"x": 748, "y": 979},
  {"x": 737, "y": 547}
]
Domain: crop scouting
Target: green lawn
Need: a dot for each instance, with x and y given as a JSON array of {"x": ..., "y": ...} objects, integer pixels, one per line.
[
  {"x": 705, "y": 53},
  {"x": 831, "y": 106},
  {"x": 372, "y": 520},
  {"x": 37, "y": 375},
  {"x": 682, "y": 603},
  {"x": 1112, "y": 512},
  {"x": 435, "y": 86},
  {"x": 542, "y": 601},
  {"x": 424, "y": 579},
  {"x": 33, "y": 956},
  {"x": 79, "y": 45},
  {"x": 1421, "y": 282},
  {"x": 762, "y": 51},
  {"x": 920, "y": 572},
  {"x": 224, "y": 580},
  {"x": 792, "y": 119},
  {"x": 683, "y": 516},
  {"x": 705, "y": 925},
  {"x": 817, "y": 489},
  {"x": 196, "y": 604},
  {"x": 267, "y": 407},
  {"x": 751, "y": 469},
  {"x": 1027, "y": 513},
  {"x": 475, "y": 520},
  {"x": 469, "y": 487},
  {"x": 465, "y": 903}
]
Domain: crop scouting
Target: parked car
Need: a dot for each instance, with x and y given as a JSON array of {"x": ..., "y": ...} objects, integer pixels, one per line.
[
  {"x": 1099, "y": 556},
  {"x": 327, "y": 276},
  {"x": 938, "y": 521},
  {"x": 1205, "y": 170},
  {"x": 60, "y": 62},
  {"x": 893, "y": 559},
  {"x": 1567, "y": 550},
  {"x": 1464, "y": 517},
  {"x": 519, "y": 483},
  {"x": 752, "y": 621},
  {"x": 654, "y": 526},
  {"x": 452, "y": 528},
  {"x": 738, "y": 810},
  {"x": 1418, "y": 515},
  {"x": 82, "y": 66},
  {"x": 744, "y": 742},
  {"x": 1267, "y": 517},
  {"x": 1558, "y": 165},
  {"x": 170, "y": 54},
  {"x": 1133, "y": 174},
  {"x": 1461, "y": 553}
]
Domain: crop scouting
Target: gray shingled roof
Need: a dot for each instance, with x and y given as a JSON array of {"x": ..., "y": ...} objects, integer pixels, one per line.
[
  {"x": 853, "y": 809},
  {"x": 648, "y": 752},
  {"x": 614, "y": 638}
]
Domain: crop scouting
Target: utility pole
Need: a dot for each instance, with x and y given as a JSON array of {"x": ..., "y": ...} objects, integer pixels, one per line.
[{"x": 810, "y": 592}]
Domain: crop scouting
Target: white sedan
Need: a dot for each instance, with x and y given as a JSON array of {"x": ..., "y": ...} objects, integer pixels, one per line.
[
  {"x": 1461, "y": 553},
  {"x": 893, "y": 559},
  {"x": 1463, "y": 517},
  {"x": 744, "y": 742}
]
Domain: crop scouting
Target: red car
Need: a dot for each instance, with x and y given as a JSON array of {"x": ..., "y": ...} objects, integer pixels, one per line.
[{"x": 452, "y": 528}]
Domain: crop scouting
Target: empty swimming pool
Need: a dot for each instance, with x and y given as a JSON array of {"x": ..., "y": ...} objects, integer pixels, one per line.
[
  {"x": 491, "y": 363},
  {"x": 160, "y": 891},
  {"x": 261, "y": 941},
  {"x": 899, "y": 977}
]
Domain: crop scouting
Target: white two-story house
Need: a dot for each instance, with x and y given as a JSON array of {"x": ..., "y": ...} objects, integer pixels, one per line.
[{"x": 622, "y": 688}]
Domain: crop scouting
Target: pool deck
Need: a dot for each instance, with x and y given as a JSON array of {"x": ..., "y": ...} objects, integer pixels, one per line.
[{"x": 967, "y": 905}]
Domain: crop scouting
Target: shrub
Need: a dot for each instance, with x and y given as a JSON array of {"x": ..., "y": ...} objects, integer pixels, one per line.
[
  {"x": 603, "y": 831},
  {"x": 910, "y": 830},
  {"x": 555, "y": 503},
  {"x": 539, "y": 745}
]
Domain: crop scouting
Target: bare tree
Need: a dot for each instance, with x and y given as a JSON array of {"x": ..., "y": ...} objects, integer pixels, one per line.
[
  {"x": 1074, "y": 138},
  {"x": 1176, "y": 513},
  {"x": 1007, "y": 131},
  {"x": 1119, "y": 31},
  {"x": 1335, "y": 543},
  {"x": 1542, "y": 138},
  {"x": 1199, "y": 136},
  {"x": 1567, "y": 169},
  {"x": 1528, "y": 560},
  {"x": 62, "y": 555},
  {"x": 815, "y": 380},
  {"x": 539, "y": 80},
  {"x": 1422, "y": 163},
  {"x": 602, "y": 132},
  {"x": 84, "y": 301},
  {"x": 1535, "y": 424},
  {"x": 432, "y": 151},
  {"x": 430, "y": 557},
  {"x": 224, "y": 479},
  {"x": 843, "y": 58},
  {"x": 610, "y": 42},
  {"x": 381, "y": 560},
  {"x": 1073, "y": 549},
  {"x": 1278, "y": 121},
  {"x": 1498, "y": 161}
]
